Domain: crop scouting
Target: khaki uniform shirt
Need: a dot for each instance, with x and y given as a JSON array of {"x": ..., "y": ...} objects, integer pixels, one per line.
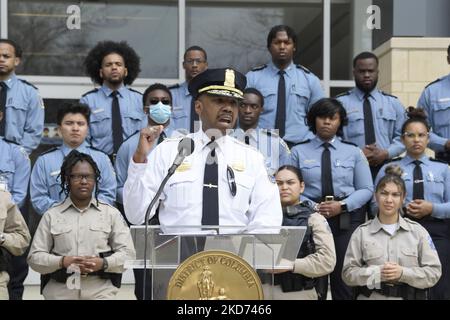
[
  {"x": 13, "y": 226},
  {"x": 411, "y": 247},
  {"x": 15, "y": 230},
  {"x": 321, "y": 262},
  {"x": 64, "y": 230}
]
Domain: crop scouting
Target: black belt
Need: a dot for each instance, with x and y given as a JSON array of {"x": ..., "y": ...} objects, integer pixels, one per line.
[
  {"x": 403, "y": 291},
  {"x": 291, "y": 282}
]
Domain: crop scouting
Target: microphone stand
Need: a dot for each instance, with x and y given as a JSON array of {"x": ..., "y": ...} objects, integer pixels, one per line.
[
  {"x": 183, "y": 152},
  {"x": 147, "y": 214}
]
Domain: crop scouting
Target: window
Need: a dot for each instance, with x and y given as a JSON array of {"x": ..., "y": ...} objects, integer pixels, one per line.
[
  {"x": 235, "y": 33},
  {"x": 52, "y": 49}
]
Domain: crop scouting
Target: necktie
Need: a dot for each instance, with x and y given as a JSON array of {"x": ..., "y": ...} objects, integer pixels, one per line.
[
  {"x": 194, "y": 115},
  {"x": 327, "y": 178},
  {"x": 369, "y": 130},
  {"x": 3, "y": 107},
  {"x": 116, "y": 122},
  {"x": 161, "y": 138},
  {"x": 210, "y": 211},
  {"x": 418, "y": 181},
  {"x": 247, "y": 140},
  {"x": 281, "y": 104}
]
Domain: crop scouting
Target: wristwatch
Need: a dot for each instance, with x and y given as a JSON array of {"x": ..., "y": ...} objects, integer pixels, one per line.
[
  {"x": 2, "y": 238},
  {"x": 343, "y": 206},
  {"x": 105, "y": 264}
]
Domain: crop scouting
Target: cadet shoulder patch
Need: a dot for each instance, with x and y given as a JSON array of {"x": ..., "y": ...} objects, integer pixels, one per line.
[
  {"x": 258, "y": 68},
  {"x": 30, "y": 84},
  {"x": 174, "y": 86},
  {"x": 89, "y": 92},
  {"x": 299, "y": 66},
  {"x": 388, "y": 95},
  {"x": 350, "y": 143},
  {"x": 433, "y": 82},
  {"x": 131, "y": 89}
]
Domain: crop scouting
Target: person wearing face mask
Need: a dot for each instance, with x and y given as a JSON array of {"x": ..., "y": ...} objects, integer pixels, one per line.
[{"x": 157, "y": 100}]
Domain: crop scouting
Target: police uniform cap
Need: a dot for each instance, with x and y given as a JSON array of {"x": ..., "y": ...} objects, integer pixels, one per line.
[{"x": 221, "y": 82}]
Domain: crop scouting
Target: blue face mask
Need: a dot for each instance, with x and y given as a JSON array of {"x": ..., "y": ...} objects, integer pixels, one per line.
[{"x": 160, "y": 113}]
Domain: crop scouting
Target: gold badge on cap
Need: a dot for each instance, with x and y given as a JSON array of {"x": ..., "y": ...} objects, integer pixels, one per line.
[{"x": 229, "y": 78}]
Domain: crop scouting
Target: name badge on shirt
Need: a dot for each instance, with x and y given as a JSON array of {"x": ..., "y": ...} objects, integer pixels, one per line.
[
  {"x": 444, "y": 100},
  {"x": 54, "y": 173},
  {"x": 98, "y": 110},
  {"x": 184, "y": 166},
  {"x": 309, "y": 161},
  {"x": 238, "y": 165}
]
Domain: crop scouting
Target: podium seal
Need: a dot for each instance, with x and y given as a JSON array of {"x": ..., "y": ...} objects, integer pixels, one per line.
[{"x": 215, "y": 275}]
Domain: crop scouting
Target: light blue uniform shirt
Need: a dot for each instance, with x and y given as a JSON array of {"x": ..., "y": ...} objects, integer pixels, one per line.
[
  {"x": 435, "y": 99},
  {"x": 45, "y": 183},
  {"x": 15, "y": 167},
  {"x": 275, "y": 151},
  {"x": 181, "y": 107},
  {"x": 302, "y": 90},
  {"x": 124, "y": 155},
  {"x": 100, "y": 124},
  {"x": 24, "y": 113},
  {"x": 388, "y": 117},
  {"x": 436, "y": 183},
  {"x": 349, "y": 168}
]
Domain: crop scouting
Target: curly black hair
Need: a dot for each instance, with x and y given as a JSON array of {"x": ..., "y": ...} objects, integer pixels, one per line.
[
  {"x": 326, "y": 107},
  {"x": 93, "y": 61},
  {"x": 66, "y": 169}
]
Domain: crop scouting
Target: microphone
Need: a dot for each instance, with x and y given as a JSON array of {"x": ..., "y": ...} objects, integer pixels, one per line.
[{"x": 185, "y": 148}]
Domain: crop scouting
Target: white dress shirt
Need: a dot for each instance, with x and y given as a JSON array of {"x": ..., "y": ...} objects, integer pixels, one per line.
[{"x": 256, "y": 203}]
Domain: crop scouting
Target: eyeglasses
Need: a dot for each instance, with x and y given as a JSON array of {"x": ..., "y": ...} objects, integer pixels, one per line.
[
  {"x": 192, "y": 61},
  {"x": 411, "y": 135},
  {"x": 156, "y": 100},
  {"x": 79, "y": 177}
]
